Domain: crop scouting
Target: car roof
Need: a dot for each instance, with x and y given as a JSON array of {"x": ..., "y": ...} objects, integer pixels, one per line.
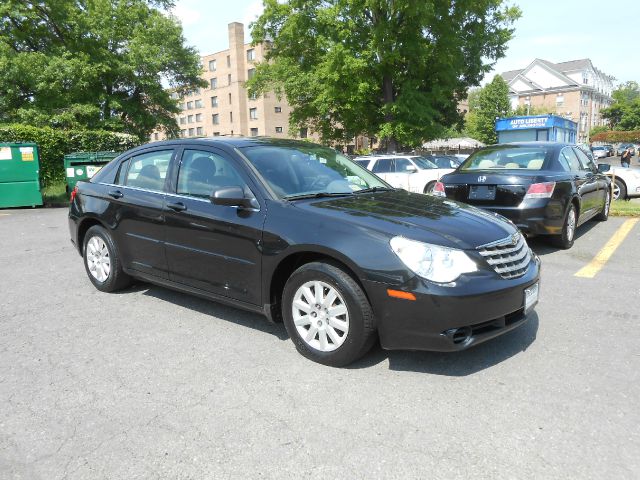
[{"x": 235, "y": 142}]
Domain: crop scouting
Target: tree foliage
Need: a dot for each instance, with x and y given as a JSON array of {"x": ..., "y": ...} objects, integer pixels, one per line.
[
  {"x": 93, "y": 64},
  {"x": 624, "y": 113},
  {"x": 393, "y": 69},
  {"x": 492, "y": 103},
  {"x": 615, "y": 136}
]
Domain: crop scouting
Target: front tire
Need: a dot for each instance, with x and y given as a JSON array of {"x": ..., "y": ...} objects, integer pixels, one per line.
[
  {"x": 102, "y": 262},
  {"x": 619, "y": 190},
  {"x": 327, "y": 315},
  {"x": 566, "y": 238}
]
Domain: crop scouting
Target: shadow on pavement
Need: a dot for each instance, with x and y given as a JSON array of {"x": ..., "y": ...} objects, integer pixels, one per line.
[
  {"x": 542, "y": 245},
  {"x": 457, "y": 364}
]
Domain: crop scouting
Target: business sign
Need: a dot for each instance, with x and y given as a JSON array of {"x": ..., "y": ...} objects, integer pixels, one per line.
[{"x": 534, "y": 122}]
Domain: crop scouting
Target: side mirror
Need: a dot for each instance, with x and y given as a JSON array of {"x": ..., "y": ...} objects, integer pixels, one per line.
[
  {"x": 231, "y": 197},
  {"x": 411, "y": 168},
  {"x": 604, "y": 167}
]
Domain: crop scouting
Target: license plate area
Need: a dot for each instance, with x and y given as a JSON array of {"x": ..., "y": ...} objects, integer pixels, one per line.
[
  {"x": 530, "y": 297},
  {"x": 482, "y": 192}
]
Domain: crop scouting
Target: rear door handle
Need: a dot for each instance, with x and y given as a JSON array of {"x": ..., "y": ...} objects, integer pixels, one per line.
[
  {"x": 115, "y": 194},
  {"x": 177, "y": 206}
]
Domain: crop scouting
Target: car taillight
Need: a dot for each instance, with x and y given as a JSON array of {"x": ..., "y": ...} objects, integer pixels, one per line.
[
  {"x": 540, "y": 190},
  {"x": 73, "y": 194},
  {"x": 438, "y": 189}
]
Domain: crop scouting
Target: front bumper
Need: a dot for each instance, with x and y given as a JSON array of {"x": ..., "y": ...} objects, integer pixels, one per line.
[{"x": 450, "y": 318}]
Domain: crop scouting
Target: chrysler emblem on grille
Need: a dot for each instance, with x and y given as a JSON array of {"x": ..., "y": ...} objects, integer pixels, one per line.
[
  {"x": 482, "y": 179},
  {"x": 514, "y": 238}
]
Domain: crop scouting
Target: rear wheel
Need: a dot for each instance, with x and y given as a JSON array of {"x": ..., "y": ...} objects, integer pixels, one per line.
[
  {"x": 566, "y": 238},
  {"x": 102, "y": 262},
  {"x": 429, "y": 187},
  {"x": 619, "y": 190},
  {"x": 327, "y": 315},
  {"x": 604, "y": 213}
]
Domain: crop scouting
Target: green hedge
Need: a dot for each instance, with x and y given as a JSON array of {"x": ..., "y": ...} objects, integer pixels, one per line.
[{"x": 54, "y": 144}]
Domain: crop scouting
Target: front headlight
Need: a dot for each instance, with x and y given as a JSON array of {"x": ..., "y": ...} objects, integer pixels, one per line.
[{"x": 432, "y": 262}]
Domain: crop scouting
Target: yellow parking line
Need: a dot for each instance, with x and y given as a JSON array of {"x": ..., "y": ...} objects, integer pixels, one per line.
[{"x": 599, "y": 261}]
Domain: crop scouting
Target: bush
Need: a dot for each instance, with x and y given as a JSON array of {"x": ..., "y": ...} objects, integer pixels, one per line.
[
  {"x": 617, "y": 136},
  {"x": 54, "y": 144}
]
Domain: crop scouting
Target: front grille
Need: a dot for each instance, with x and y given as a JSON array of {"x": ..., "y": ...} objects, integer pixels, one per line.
[{"x": 509, "y": 257}]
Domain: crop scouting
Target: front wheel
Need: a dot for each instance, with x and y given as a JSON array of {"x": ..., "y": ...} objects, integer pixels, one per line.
[
  {"x": 327, "y": 315},
  {"x": 566, "y": 238},
  {"x": 619, "y": 190},
  {"x": 102, "y": 262}
]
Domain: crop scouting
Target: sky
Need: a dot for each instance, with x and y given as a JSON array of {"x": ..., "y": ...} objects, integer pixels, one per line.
[{"x": 607, "y": 32}]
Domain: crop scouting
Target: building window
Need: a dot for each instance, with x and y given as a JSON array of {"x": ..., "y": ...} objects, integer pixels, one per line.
[
  {"x": 216, "y": 134},
  {"x": 559, "y": 100},
  {"x": 183, "y": 120},
  {"x": 155, "y": 136},
  {"x": 199, "y": 131},
  {"x": 189, "y": 105},
  {"x": 183, "y": 106},
  {"x": 251, "y": 55},
  {"x": 191, "y": 132},
  {"x": 585, "y": 79},
  {"x": 214, "y": 83},
  {"x": 254, "y": 132},
  {"x": 212, "y": 65},
  {"x": 251, "y": 73},
  {"x": 183, "y": 133},
  {"x": 199, "y": 103},
  {"x": 229, "y": 79},
  {"x": 253, "y": 113},
  {"x": 253, "y": 96},
  {"x": 303, "y": 133},
  {"x": 214, "y": 102},
  {"x": 190, "y": 119},
  {"x": 228, "y": 61},
  {"x": 215, "y": 119},
  {"x": 278, "y": 109},
  {"x": 278, "y": 129},
  {"x": 229, "y": 99},
  {"x": 198, "y": 117},
  {"x": 231, "y": 117}
]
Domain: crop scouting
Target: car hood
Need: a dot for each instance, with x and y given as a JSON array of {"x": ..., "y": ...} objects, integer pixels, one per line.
[{"x": 420, "y": 217}]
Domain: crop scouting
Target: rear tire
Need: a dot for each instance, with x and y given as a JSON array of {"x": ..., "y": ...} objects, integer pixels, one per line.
[
  {"x": 566, "y": 238},
  {"x": 102, "y": 261},
  {"x": 428, "y": 189},
  {"x": 604, "y": 213},
  {"x": 327, "y": 315}
]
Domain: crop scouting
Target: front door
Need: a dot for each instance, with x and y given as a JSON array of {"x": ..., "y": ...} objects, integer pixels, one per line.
[
  {"x": 585, "y": 182},
  {"x": 212, "y": 247}
]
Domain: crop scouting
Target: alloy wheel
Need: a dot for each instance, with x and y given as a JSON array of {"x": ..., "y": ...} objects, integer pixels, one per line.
[
  {"x": 98, "y": 259},
  {"x": 571, "y": 224}
]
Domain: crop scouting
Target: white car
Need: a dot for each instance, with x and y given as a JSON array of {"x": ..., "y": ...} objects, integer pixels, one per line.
[
  {"x": 599, "y": 152},
  {"x": 627, "y": 181},
  {"x": 410, "y": 172}
]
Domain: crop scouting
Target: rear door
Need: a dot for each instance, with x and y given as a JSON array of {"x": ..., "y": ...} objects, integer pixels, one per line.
[
  {"x": 137, "y": 201},
  {"x": 213, "y": 247}
]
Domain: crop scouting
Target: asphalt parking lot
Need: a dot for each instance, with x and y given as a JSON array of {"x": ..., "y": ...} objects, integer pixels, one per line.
[{"x": 150, "y": 383}]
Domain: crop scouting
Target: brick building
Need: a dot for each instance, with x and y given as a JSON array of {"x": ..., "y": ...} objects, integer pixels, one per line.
[
  {"x": 224, "y": 106},
  {"x": 574, "y": 89}
]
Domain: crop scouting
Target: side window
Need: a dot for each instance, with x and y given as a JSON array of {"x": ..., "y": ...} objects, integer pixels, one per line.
[
  {"x": 586, "y": 162},
  {"x": 402, "y": 164},
  {"x": 383, "y": 165},
  {"x": 148, "y": 170},
  {"x": 571, "y": 159},
  {"x": 564, "y": 163},
  {"x": 203, "y": 172},
  {"x": 122, "y": 171}
]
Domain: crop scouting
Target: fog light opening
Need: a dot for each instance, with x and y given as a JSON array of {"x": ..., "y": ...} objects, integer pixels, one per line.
[{"x": 460, "y": 335}]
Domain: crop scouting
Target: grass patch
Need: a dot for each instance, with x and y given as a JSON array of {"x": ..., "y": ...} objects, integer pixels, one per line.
[
  {"x": 622, "y": 208},
  {"x": 55, "y": 193}
]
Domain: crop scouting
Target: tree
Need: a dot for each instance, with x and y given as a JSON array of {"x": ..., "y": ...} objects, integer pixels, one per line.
[
  {"x": 492, "y": 103},
  {"x": 624, "y": 113},
  {"x": 393, "y": 69},
  {"x": 597, "y": 129},
  {"x": 93, "y": 64}
]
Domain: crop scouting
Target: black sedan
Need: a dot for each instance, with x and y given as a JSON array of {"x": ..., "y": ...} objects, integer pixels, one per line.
[
  {"x": 545, "y": 188},
  {"x": 302, "y": 234}
]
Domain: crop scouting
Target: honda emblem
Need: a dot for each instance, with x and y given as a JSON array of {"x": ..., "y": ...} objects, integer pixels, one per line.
[{"x": 482, "y": 179}]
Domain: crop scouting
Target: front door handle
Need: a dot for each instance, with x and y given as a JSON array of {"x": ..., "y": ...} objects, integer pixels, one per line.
[
  {"x": 177, "y": 206},
  {"x": 115, "y": 193}
]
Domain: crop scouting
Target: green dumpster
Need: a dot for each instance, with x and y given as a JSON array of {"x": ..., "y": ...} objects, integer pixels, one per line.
[
  {"x": 19, "y": 175},
  {"x": 84, "y": 165}
]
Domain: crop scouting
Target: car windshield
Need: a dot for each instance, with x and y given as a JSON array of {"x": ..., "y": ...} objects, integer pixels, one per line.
[
  {"x": 310, "y": 170},
  {"x": 501, "y": 158},
  {"x": 424, "y": 163},
  {"x": 598, "y": 148}
]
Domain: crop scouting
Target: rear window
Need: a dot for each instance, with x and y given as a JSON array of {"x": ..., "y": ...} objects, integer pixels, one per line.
[{"x": 507, "y": 158}]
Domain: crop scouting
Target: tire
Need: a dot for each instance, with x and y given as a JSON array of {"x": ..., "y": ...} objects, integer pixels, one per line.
[
  {"x": 336, "y": 340},
  {"x": 566, "y": 238},
  {"x": 102, "y": 261},
  {"x": 619, "y": 190},
  {"x": 428, "y": 189},
  {"x": 604, "y": 213}
]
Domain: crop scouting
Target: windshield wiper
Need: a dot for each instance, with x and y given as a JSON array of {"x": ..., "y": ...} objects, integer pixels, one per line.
[
  {"x": 302, "y": 196},
  {"x": 375, "y": 189}
]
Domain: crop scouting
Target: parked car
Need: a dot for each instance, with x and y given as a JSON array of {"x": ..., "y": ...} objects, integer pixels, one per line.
[
  {"x": 599, "y": 152},
  {"x": 444, "y": 161},
  {"x": 545, "y": 188},
  {"x": 610, "y": 150},
  {"x": 626, "y": 146},
  {"x": 413, "y": 173},
  {"x": 626, "y": 181},
  {"x": 300, "y": 233}
]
